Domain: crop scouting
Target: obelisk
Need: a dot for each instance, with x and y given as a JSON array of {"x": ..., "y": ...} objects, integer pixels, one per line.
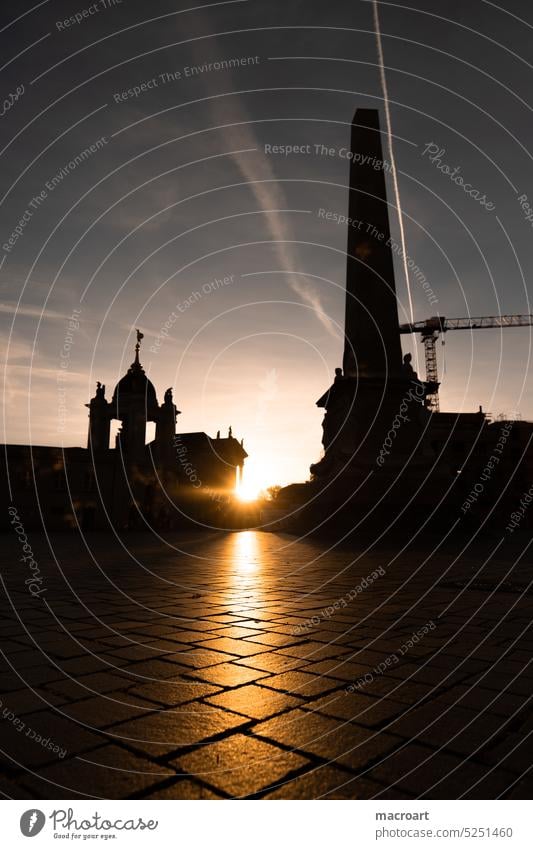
[
  {"x": 372, "y": 340},
  {"x": 375, "y": 453},
  {"x": 367, "y": 393}
]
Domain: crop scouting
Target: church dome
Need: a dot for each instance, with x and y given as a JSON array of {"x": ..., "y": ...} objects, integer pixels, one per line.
[
  {"x": 135, "y": 388},
  {"x": 135, "y": 382}
]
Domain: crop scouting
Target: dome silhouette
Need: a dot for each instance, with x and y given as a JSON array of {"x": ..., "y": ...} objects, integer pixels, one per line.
[{"x": 135, "y": 388}]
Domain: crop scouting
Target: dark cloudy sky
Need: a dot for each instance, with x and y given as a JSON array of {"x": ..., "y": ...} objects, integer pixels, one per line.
[{"x": 180, "y": 192}]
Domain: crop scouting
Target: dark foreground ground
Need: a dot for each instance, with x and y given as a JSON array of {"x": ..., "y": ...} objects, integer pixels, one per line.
[{"x": 225, "y": 671}]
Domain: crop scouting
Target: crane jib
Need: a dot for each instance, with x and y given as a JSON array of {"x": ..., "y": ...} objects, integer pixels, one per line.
[{"x": 430, "y": 328}]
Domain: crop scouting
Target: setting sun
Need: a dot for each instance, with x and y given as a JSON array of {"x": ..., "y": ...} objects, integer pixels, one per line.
[
  {"x": 246, "y": 492},
  {"x": 255, "y": 479}
]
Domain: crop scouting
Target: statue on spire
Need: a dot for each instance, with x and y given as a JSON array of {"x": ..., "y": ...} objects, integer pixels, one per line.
[{"x": 138, "y": 345}]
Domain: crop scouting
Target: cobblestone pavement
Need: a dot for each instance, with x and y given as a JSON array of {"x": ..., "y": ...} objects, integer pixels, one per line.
[{"x": 253, "y": 665}]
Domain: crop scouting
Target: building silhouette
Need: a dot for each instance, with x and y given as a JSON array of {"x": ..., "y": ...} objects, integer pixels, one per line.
[{"x": 169, "y": 482}]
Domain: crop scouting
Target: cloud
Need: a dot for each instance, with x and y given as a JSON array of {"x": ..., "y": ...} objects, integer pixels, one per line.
[
  {"x": 11, "y": 308},
  {"x": 258, "y": 172}
]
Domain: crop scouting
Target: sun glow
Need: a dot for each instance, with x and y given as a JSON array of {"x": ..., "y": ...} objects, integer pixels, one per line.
[
  {"x": 247, "y": 492},
  {"x": 255, "y": 479}
]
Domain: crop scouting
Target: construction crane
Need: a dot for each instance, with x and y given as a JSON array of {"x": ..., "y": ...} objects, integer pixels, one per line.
[{"x": 430, "y": 330}]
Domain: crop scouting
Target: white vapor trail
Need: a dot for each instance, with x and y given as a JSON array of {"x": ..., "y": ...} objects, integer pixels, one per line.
[
  {"x": 381, "y": 58},
  {"x": 269, "y": 196}
]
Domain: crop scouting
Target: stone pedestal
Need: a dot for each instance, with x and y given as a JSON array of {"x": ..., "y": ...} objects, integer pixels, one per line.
[{"x": 378, "y": 466}]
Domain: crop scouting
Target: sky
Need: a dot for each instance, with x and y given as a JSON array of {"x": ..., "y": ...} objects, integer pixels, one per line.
[{"x": 146, "y": 181}]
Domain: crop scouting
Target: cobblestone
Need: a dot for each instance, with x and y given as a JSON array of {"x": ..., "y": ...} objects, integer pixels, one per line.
[{"x": 195, "y": 679}]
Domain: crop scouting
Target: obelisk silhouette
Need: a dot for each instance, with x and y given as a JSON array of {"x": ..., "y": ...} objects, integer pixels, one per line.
[
  {"x": 368, "y": 391},
  {"x": 372, "y": 341}
]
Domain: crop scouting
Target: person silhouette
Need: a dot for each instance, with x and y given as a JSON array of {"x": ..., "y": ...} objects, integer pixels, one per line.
[{"x": 407, "y": 368}]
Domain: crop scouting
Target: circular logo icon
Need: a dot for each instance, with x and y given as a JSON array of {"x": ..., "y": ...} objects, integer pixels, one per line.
[{"x": 32, "y": 822}]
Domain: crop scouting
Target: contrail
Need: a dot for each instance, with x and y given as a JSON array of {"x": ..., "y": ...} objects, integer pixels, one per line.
[
  {"x": 269, "y": 195},
  {"x": 393, "y": 163}
]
